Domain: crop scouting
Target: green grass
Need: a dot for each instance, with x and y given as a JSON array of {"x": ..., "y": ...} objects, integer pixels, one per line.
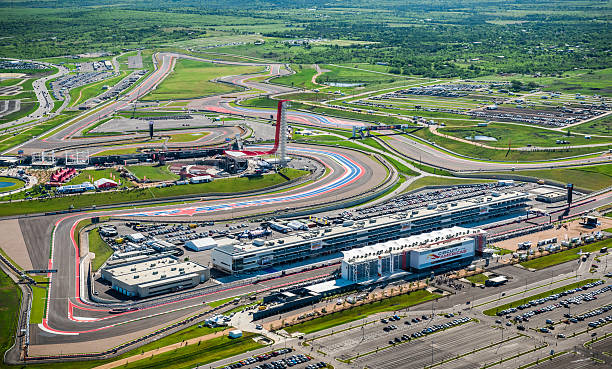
[
  {"x": 100, "y": 248},
  {"x": 442, "y": 181},
  {"x": 187, "y": 137},
  {"x": 81, "y": 94},
  {"x": 191, "y": 79},
  {"x": 601, "y": 126},
  {"x": 401, "y": 168},
  {"x": 520, "y": 136},
  {"x": 515, "y": 303},
  {"x": 183, "y": 358},
  {"x": 222, "y": 185},
  {"x": 591, "y": 82},
  {"x": 129, "y": 150},
  {"x": 152, "y": 173},
  {"x": 266, "y": 102},
  {"x": 204, "y": 353},
  {"x": 359, "y": 312},
  {"x": 591, "y": 178},
  {"x": 564, "y": 256},
  {"x": 16, "y": 184},
  {"x": 351, "y": 75},
  {"x": 479, "y": 152},
  {"x": 302, "y": 77},
  {"x": 93, "y": 175},
  {"x": 10, "y": 297},
  {"x": 39, "y": 300},
  {"x": 36, "y": 130},
  {"x": 477, "y": 278}
]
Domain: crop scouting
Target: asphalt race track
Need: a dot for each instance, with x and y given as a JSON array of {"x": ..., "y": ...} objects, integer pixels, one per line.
[{"x": 69, "y": 313}]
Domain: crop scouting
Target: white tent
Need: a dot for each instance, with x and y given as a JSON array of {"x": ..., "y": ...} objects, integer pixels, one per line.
[{"x": 201, "y": 244}]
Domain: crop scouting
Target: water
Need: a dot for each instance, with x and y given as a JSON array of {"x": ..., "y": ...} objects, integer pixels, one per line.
[
  {"x": 6, "y": 184},
  {"x": 341, "y": 84},
  {"x": 481, "y": 138}
]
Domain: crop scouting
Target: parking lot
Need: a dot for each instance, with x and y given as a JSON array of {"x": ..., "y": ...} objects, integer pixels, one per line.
[{"x": 277, "y": 359}]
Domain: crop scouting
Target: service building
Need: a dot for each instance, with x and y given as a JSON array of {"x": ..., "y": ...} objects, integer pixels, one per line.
[{"x": 154, "y": 276}]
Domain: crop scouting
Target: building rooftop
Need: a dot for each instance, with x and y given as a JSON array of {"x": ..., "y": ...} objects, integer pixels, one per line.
[
  {"x": 153, "y": 270},
  {"x": 236, "y": 247},
  {"x": 429, "y": 240}
]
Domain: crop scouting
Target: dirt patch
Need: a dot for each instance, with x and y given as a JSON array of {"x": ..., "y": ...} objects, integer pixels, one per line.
[{"x": 13, "y": 244}]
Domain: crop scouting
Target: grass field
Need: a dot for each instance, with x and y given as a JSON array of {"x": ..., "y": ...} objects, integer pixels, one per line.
[
  {"x": 301, "y": 78},
  {"x": 152, "y": 173},
  {"x": 504, "y": 155},
  {"x": 222, "y": 185},
  {"x": 340, "y": 74},
  {"x": 394, "y": 303},
  {"x": 10, "y": 295},
  {"x": 591, "y": 178},
  {"x": 187, "y": 137},
  {"x": 442, "y": 181},
  {"x": 191, "y": 79},
  {"x": 477, "y": 278},
  {"x": 601, "y": 126},
  {"x": 16, "y": 184},
  {"x": 100, "y": 248},
  {"x": 515, "y": 303},
  {"x": 564, "y": 256},
  {"x": 520, "y": 136}
]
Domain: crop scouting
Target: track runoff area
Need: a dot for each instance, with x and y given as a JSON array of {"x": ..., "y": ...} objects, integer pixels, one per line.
[{"x": 72, "y": 316}]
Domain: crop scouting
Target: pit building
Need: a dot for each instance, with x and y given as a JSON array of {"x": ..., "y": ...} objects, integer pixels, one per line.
[{"x": 241, "y": 257}]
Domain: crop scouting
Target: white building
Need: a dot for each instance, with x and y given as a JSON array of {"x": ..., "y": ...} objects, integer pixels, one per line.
[{"x": 414, "y": 253}]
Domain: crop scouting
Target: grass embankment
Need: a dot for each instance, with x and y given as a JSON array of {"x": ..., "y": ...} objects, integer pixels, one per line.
[
  {"x": 565, "y": 256},
  {"x": 99, "y": 248},
  {"x": 184, "y": 357},
  {"x": 152, "y": 173},
  {"x": 16, "y": 184},
  {"x": 515, "y": 303},
  {"x": 10, "y": 297},
  {"x": 593, "y": 178},
  {"x": 194, "y": 355},
  {"x": 359, "y": 312},
  {"x": 191, "y": 79},
  {"x": 477, "y": 278},
  {"x": 222, "y": 185},
  {"x": 442, "y": 181}
]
